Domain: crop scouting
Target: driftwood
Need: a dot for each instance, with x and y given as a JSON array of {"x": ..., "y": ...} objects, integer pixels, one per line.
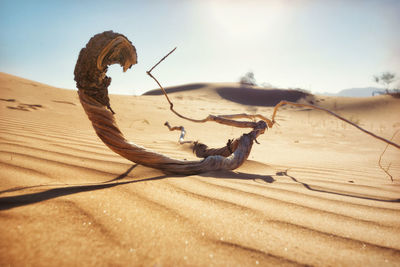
[
  {"x": 110, "y": 48},
  {"x": 202, "y": 150}
]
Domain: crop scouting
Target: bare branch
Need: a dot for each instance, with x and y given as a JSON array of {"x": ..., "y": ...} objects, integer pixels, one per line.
[
  {"x": 248, "y": 116},
  {"x": 161, "y": 60},
  {"x": 333, "y": 114},
  {"x": 380, "y": 158},
  {"x": 223, "y": 119}
]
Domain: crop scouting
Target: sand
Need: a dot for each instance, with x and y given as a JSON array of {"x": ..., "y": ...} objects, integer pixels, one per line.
[{"x": 311, "y": 193}]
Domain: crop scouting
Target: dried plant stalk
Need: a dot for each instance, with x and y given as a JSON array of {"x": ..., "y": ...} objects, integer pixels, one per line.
[
  {"x": 284, "y": 102},
  {"x": 90, "y": 75},
  {"x": 380, "y": 158}
]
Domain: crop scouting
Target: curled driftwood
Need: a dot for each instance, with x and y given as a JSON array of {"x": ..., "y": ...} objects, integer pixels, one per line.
[{"x": 110, "y": 48}]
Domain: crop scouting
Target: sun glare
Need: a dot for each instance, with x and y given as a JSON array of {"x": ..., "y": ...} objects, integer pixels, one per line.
[{"x": 246, "y": 19}]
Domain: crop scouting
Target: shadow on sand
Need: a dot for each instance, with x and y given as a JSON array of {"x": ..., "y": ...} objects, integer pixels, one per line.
[
  {"x": 11, "y": 202},
  {"x": 239, "y": 175},
  {"x": 285, "y": 173},
  {"x": 32, "y": 198}
]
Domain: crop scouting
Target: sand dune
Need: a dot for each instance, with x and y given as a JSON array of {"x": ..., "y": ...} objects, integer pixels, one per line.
[
  {"x": 242, "y": 94},
  {"x": 311, "y": 193}
]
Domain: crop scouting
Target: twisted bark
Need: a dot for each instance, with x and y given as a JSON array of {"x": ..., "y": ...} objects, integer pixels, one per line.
[{"x": 110, "y": 48}]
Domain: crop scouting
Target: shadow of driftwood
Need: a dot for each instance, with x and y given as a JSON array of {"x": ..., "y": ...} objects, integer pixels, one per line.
[
  {"x": 123, "y": 175},
  {"x": 10, "y": 202},
  {"x": 285, "y": 173},
  {"x": 19, "y": 188},
  {"x": 239, "y": 175},
  {"x": 32, "y": 198}
]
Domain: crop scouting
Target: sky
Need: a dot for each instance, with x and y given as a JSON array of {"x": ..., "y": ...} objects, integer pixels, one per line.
[{"x": 320, "y": 46}]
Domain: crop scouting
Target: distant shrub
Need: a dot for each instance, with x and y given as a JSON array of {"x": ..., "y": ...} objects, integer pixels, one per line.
[
  {"x": 386, "y": 78},
  {"x": 248, "y": 79}
]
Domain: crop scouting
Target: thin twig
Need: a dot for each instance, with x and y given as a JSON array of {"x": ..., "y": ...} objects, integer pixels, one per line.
[
  {"x": 183, "y": 133},
  {"x": 149, "y": 73},
  {"x": 248, "y": 116},
  {"x": 175, "y": 128},
  {"x": 163, "y": 90},
  {"x": 161, "y": 60},
  {"x": 334, "y": 114},
  {"x": 380, "y": 158},
  {"x": 219, "y": 119}
]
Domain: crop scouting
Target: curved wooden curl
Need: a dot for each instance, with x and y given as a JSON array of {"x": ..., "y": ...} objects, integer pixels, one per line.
[{"x": 109, "y": 48}]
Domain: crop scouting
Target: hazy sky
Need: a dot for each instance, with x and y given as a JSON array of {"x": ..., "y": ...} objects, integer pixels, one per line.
[{"x": 315, "y": 45}]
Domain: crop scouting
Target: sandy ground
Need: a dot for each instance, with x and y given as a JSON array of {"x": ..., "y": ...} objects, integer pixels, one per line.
[{"x": 311, "y": 193}]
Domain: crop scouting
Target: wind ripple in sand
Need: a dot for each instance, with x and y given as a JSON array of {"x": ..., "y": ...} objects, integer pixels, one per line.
[
  {"x": 66, "y": 199},
  {"x": 264, "y": 219}
]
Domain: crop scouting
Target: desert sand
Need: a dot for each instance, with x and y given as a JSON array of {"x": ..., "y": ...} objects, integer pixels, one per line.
[{"x": 311, "y": 193}]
